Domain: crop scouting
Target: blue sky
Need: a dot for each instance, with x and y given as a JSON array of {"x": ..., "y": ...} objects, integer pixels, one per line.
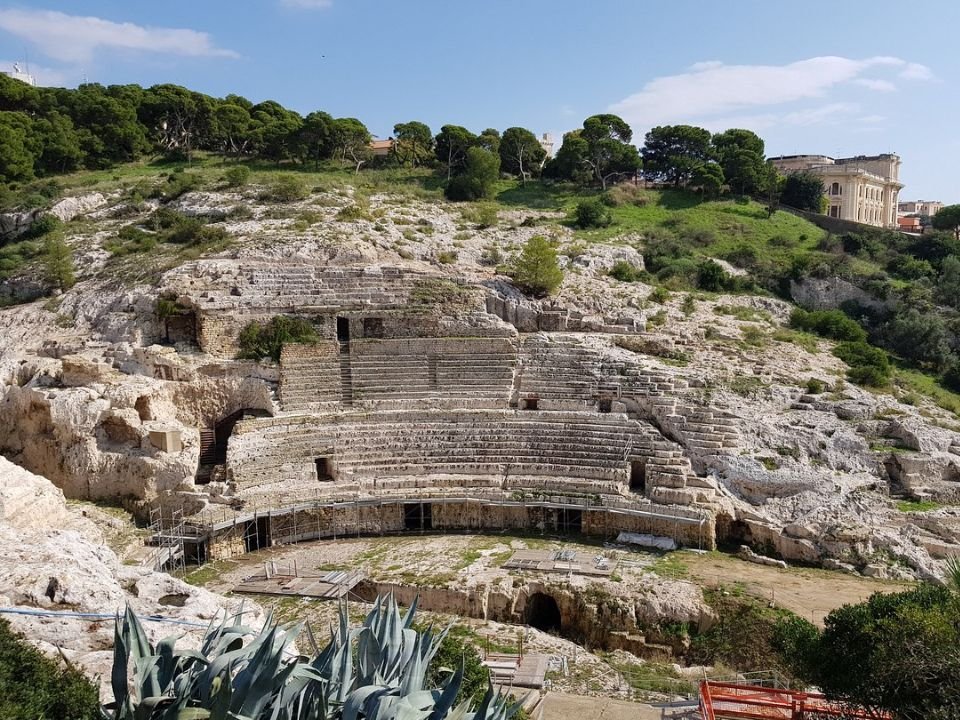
[{"x": 810, "y": 76}]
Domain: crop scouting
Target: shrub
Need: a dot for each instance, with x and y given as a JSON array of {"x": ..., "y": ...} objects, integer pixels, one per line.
[
  {"x": 35, "y": 686},
  {"x": 591, "y": 213},
  {"x": 285, "y": 188},
  {"x": 711, "y": 277},
  {"x": 352, "y": 213},
  {"x": 951, "y": 378},
  {"x": 480, "y": 173},
  {"x": 487, "y": 216},
  {"x": 179, "y": 183},
  {"x": 237, "y": 176},
  {"x": 447, "y": 257},
  {"x": 536, "y": 270},
  {"x": 625, "y": 272},
  {"x": 131, "y": 239},
  {"x": 43, "y": 225},
  {"x": 659, "y": 295},
  {"x": 868, "y": 365},
  {"x": 833, "y": 324},
  {"x": 258, "y": 341},
  {"x": 815, "y": 386}
]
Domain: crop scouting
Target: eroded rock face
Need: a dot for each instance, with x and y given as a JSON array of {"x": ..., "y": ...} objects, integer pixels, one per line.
[
  {"x": 53, "y": 560},
  {"x": 807, "y": 475}
]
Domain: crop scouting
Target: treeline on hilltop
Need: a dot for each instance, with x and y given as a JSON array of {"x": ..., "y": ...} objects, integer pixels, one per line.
[{"x": 48, "y": 131}]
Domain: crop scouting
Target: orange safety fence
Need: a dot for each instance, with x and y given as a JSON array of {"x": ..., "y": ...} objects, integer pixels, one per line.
[{"x": 733, "y": 701}]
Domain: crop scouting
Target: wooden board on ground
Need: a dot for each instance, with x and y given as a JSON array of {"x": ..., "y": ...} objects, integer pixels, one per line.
[
  {"x": 329, "y": 586},
  {"x": 563, "y": 561}
]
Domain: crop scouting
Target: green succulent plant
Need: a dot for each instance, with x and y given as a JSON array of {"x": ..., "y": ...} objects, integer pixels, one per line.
[{"x": 374, "y": 672}]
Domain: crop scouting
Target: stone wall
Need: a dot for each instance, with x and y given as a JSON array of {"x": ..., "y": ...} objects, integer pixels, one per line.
[
  {"x": 462, "y": 372},
  {"x": 311, "y": 521},
  {"x": 264, "y": 451},
  {"x": 310, "y": 377}
]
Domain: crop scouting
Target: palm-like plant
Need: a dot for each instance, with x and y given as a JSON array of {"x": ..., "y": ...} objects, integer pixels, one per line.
[
  {"x": 953, "y": 574},
  {"x": 376, "y": 672}
]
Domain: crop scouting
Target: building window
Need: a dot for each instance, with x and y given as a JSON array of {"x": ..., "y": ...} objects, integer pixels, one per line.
[
  {"x": 834, "y": 211},
  {"x": 835, "y": 189}
]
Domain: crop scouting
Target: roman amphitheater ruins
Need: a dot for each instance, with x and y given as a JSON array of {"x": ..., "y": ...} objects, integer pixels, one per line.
[{"x": 439, "y": 400}]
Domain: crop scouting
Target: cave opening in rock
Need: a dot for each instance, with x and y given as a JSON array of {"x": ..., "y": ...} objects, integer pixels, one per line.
[{"x": 543, "y": 613}]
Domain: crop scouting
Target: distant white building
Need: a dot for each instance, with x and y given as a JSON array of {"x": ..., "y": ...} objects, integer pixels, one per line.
[
  {"x": 864, "y": 188},
  {"x": 18, "y": 74},
  {"x": 919, "y": 207},
  {"x": 546, "y": 142}
]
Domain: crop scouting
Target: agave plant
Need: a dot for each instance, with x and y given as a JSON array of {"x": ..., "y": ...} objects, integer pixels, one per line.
[{"x": 376, "y": 671}]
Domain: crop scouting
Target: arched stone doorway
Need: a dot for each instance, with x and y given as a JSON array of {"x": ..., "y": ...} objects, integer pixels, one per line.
[{"x": 543, "y": 613}]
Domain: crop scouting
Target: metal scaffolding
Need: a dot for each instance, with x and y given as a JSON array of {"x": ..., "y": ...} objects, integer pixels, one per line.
[{"x": 167, "y": 535}]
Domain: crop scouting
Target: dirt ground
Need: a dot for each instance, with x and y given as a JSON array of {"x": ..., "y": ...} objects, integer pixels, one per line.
[
  {"x": 809, "y": 592},
  {"x": 579, "y": 678}
]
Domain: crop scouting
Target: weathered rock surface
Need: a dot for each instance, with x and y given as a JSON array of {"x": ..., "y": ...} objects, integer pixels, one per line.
[
  {"x": 53, "y": 560},
  {"x": 806, "y": 476}
]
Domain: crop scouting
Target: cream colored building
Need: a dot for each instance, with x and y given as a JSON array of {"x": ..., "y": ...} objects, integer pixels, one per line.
[
  {"x": 920, "y": 207},
  {"x": 863, "y": 189}
]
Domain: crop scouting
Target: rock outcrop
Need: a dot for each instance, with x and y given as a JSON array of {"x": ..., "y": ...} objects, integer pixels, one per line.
[{"x": 53, "y": 562}]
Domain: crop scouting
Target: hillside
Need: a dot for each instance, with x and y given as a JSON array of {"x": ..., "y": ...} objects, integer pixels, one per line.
[{"x": 817, "y": 457}]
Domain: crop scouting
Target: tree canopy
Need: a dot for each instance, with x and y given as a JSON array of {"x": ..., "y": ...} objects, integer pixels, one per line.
[
  {"x": 803, "y": 191},
  {"x": 897, "y": 653},
  {"x": 413, "y": 142},
  {"x": 600, "y": 152},
  {"x": 476, "y": 180},
  {"x": 948, "y": 218},
  {"x": 520, "y": 153},
  {"x": 672, "y": 153},
  {"x": 451, "y": 145}
]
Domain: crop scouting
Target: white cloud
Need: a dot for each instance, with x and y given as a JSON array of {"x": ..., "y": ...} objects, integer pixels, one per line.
[
  {"x": 307, "y": 4},
  {"x": 874, "y": 84},
  {"x": 75, "y": 38},
  {"x": 713, "y": 89},
  {"x": 829, "y": 114},
  {"x": 916, "y": 71}
]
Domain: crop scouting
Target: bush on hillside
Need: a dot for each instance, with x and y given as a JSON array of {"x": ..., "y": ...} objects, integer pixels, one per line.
[
  {"x": 480, "y": 172},
  {"x": 833, "y": 324},
  {"x": 951, "y": 378},
  {"x": 921, "y": 338},
  {"x": 285, "y": 188},
  {"x": 536, "y": 271},
  {"x": 711, "y": 277},
  {"x": 237, "y": 176},
  {"x": 39, "y": 688},
  {"x": 591, "y": 213},
  {"x": 625, "y": 272},
  {"x": 266, "y": 340},
  {"x": 43, "y": 225},
  {"x": 869, "y": 365},
  {"x": 177, "y": 184}
]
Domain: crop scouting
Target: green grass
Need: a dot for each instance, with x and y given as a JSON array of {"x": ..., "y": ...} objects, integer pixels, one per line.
[
  {"x": 914, "y": 381},
  {"x": 208, "y": 573},
  {"x": 734, "y": 223},
  {"x": 653, "y": 677},
  {"x": 670, "y": 566},
  {"x": 918, "y": 505}
]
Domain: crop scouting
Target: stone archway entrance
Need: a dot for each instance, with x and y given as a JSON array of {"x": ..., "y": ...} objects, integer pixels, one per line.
[{"x": 543, "y": 613}]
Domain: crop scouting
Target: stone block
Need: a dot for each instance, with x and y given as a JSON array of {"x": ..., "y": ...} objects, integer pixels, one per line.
[{"x": 167, "y": 440}]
